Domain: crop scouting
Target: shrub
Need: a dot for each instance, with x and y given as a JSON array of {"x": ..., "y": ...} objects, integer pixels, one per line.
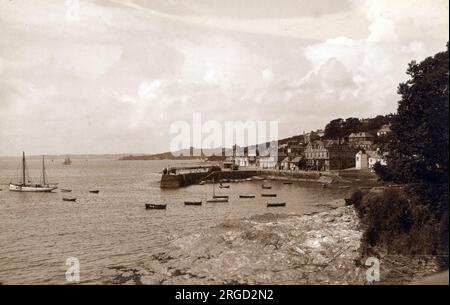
[{"x": 396, "y": 222}]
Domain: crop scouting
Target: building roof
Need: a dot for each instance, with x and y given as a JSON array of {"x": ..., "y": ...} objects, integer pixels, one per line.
[
  {"x": 296, "y": 159},
  {"x": 385, "y": 128},
  {"x": 360, "y": 135}
]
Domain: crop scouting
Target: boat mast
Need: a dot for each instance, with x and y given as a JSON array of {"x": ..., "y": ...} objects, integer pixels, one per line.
[
  {"x": 43, "y": 171},
  {"x": 214, "y": 188},
  {"x": 23, "y": 168}
]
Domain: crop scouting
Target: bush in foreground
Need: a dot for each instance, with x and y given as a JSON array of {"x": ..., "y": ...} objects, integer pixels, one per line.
[{"x": 395, "y": 222}]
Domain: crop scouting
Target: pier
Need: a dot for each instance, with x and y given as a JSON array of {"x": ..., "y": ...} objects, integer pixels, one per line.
[{"x": 175, "y": 177}]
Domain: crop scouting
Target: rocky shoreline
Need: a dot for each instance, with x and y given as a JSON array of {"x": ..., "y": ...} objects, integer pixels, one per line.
[{"x": 316, "y": 248}]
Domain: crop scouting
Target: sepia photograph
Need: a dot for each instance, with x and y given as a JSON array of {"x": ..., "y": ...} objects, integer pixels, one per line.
[{"x": 235, "y": 144}]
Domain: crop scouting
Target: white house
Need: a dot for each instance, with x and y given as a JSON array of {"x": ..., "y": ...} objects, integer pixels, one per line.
[
  {"x": 361, "y": 160},
  {"x": 384, "y": 130},
  {"x": 367, "y": 159},
  {"x": 285, "y": 164},
  {"x": 269, "y": 162},
  {"x": 242, "y": 161}
]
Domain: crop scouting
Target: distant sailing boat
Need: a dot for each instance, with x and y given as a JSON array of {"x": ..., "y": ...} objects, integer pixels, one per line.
[
  {"x": 23, "y": 186},
  {"x": 67, "y": 161},
  {"x": 217, "y": 198}
]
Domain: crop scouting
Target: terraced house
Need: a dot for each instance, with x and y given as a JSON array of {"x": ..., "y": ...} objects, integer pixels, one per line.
[{"x": 325, "y": 155}]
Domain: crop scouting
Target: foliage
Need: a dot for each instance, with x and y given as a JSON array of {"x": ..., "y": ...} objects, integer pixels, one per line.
[
  {"x": 418, "y": 150},
  {"x": 340, "y": 128},
  {"x": 396, "y": 222}
]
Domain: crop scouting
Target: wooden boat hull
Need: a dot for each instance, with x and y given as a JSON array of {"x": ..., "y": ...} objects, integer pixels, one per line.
[
  {"x": 151, "y": 206},
  {"x": 217, "y": 200},
  {"x": 247, "y": 196},
  {"x": 268, "y": 195},
  {"x": 94, "y": 192},
  {"x": 70, "y": 199},
  {"x": 224, "y": 186},
  {"x": 30, "y": 188},
  {"x": 192, "y": 203},
  {"x": 220, "y": 196},
  {"x": 277, "y": 204},
  {"x": 266, "y": 187}
]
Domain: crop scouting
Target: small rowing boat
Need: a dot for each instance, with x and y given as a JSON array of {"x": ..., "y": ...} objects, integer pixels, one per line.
[
  {"x": 94, "y": 191},
  {"x": 192, "y": 203},
  {"x": 247, "y": 196},
  {"x": 266, "y": 187},
  {"x": 218, "y": 200},
  {"x": 69, "y": 199},
  {"x": 268, "y": 195},
  {"x": 154, "y": 206},
  {"x": 276, "y": 204},
  {"x": 224, "y": 186},
  {"x": 288, "y": 182},
  {"x": 220, "y": 196}
]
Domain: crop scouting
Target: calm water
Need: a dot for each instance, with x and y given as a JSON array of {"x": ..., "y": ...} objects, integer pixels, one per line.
[{"x": 38, "y": 232}]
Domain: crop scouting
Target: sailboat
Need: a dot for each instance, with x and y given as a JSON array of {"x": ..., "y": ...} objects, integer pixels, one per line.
[
  {"x": 67, "y": 161},
  {"x": 23, "y": 186},
  {"x": 217, "y": 198}
]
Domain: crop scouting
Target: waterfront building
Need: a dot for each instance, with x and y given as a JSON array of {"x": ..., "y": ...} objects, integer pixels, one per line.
[
  {"x": 361, "y": 160},
  {"x": 269, "y": 162},
  {"x": 362, "y": 140},
  {"x": 329, "y": 155},
  {"x": 367, "y": 159}
]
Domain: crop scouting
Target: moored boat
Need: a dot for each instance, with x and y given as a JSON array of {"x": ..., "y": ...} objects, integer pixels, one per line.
[
  {"x": 192, "y": 203},
  {"x": 217, "y": 200},
  {"x": 155, "y": 206},
  {"x": 247, "y": 196},
  {"x": 276, "y": 204},
  {"x": 69, "y": 199},
  {"x": 266, "y": 187},
  {"x": 94, "y": 191},
  {"x": 268, "y": 195},
  {"x": 26, "y": 186}
]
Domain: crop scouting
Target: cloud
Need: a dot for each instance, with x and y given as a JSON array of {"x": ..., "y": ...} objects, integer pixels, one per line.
[
  {"x": 120, "y": 76},
  {"x": 149, "y": 90},
  {"x": 267, "y": 75}
]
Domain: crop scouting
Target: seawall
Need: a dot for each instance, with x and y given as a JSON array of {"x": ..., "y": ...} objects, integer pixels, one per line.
[{"x": 180, "y": 180}]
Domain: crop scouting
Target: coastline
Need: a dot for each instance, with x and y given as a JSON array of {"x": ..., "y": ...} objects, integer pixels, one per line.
[{"x": 321, "y": 247}]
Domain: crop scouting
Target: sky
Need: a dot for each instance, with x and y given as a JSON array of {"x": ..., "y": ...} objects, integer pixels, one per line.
[{"x": 111, "y": 76}]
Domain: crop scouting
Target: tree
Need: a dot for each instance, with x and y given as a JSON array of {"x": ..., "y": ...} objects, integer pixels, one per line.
[
  {"x": 418, "y": 145},
  {"x": 334, "y": 129},
  {"x": 418, "y": 148},
  {"x": 351, "y": 125}
]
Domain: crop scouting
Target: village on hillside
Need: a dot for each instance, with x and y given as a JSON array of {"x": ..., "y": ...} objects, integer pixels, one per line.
[{"x": 316, "y": 151}]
